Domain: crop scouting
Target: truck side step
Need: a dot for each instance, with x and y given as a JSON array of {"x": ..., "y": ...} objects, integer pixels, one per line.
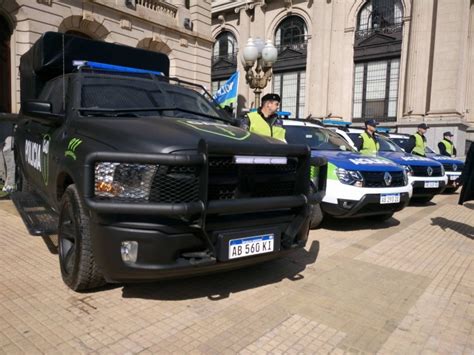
[{"x": 39, "y": 219}]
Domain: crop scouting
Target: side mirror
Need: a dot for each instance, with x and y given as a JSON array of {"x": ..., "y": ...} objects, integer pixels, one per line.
[{"x": 40, "y": 111}]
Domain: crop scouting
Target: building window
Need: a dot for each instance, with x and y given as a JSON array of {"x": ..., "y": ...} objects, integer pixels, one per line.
[
  {"x": 291, "y": 87},
  {"x": 376, "y": 90},
  {"x": 216, "y": 85},
  {"x": 291, "y": 33},
  {"x": 225, "y": 46},
  {"x": 379, "y": 16}
]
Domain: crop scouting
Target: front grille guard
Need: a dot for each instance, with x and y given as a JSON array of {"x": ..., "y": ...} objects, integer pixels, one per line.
[{"x": 195, "y": 212}]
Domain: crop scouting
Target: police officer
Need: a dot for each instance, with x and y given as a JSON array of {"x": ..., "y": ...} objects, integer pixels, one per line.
[
  {"x": 366, "y": 142},
  {"x": 446, "y": 146},
  {"x": 265, "y": 121},
  {"x": 417, "y": 142}
]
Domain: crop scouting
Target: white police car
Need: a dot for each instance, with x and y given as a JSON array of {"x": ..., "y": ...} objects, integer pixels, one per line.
[
  {"x": 452, "y": 166},
  {"x": 426, "y": 175},
  {"x": 357, "y": 185}
]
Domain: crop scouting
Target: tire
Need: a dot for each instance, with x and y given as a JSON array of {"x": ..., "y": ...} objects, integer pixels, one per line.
[
  {"x": 316, "y": 216},
  {"x": 381, "y": 217},
  {"x": 424, "y": 199},
  {"x": 78, "y": 267}
]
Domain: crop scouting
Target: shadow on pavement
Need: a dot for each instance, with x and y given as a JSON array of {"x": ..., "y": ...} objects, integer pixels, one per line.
[
  {"x": 421, "y": 204},
  {"x": 355, "y": 224},
  {"x": 461, "y": 228},
  {"x": 469, "y": 205},
  {"x": 220, "y": 286}
]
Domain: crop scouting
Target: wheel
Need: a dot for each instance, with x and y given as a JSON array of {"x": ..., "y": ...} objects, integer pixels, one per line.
[
  {"x": 424, "y": 199},
  {"x": 381, "y": 217},
  {"x": 78, "y": 268},
  {"x": 316, "y": 216}
]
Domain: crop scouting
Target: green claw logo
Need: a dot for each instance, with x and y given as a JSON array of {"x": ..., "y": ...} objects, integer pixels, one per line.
[{"x": 71, "y": 148}]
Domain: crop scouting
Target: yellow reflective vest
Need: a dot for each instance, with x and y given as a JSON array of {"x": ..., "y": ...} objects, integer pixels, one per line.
[
  {"x": 260, "y": 126},
  {"x": 449, "y": 146},
  {"x": 420, "y": 145},
  {"x": 369, "y": 145}
]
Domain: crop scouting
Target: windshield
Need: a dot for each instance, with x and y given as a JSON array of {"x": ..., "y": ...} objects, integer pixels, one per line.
[
  {"x": 401, "y": 142},
  {"x": 386, "y": 145},
  {"x": 110, "y": 95},
  {"x": 316, "y": 138}
]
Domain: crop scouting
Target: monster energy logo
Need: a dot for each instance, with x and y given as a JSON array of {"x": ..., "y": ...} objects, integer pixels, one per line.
[{"x": 71, "y": 148}]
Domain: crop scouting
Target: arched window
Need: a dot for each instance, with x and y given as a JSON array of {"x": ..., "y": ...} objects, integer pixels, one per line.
[
  {"x": 377, "y": 50},
  {"x": 379, "y": 15},
  {"x": 289, "y": 78},
  {"x": 225, "y": 45},
  {"x": 291, "y": 32},
  {"x": 224, "y": 59}
]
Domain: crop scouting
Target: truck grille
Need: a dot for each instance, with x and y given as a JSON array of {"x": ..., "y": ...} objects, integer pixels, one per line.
[
  {"x": 228, "y": 180},
  {"x": 453, "y": 167},
  {"x": 377, "y": 179},
  {"x": 423, "y": 170},
  {"x": 175, "y": 184}
]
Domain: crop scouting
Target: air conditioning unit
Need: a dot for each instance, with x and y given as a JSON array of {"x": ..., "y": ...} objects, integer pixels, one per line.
[{"x": 188, "y": 24}]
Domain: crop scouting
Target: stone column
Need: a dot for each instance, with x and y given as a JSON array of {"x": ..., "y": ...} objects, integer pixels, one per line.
[
  {"x": 418, "y": 62},
  {"x": 245, "y": 97}
]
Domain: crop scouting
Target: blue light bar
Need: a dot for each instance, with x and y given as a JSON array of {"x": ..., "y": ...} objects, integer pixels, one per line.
[
  {"x": 336, "y": 122},
  {"x": 112, "y": 67},
  {"x": 283, "y": 113},
  {"x": 383, "y": 129}
]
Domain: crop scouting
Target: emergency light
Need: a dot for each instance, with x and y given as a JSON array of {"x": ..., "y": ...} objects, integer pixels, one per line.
[{"x": 118, "y": 68}]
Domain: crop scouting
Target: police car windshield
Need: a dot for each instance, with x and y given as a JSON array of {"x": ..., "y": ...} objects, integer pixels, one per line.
[
  {"x": 316, "y": 138},
  {"x": 386, "y": 145},
  {"x": 401, "y": 142},
  {"x": 111, "y": 95}
]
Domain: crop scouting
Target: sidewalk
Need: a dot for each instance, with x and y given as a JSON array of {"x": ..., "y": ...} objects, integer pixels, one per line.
[{"x": 403, "y": 286}]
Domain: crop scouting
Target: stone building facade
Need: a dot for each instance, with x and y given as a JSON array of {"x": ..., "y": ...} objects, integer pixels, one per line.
[
  {"x": 179, "y": 28},
  {"x": 401, "y": 62}
]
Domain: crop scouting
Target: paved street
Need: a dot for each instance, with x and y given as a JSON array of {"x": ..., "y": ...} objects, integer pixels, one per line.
[{"x": 402, "y": 286}]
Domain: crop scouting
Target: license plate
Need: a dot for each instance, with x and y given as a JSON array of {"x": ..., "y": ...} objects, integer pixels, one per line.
[
  {"x": 431, "y": 184},
  {"x": 453, "y": 177},
  {"x": 259, "y": 244},
  {"x": 389, "y": 198}
]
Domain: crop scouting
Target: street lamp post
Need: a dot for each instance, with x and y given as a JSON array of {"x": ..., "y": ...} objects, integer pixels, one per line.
[{"x": 258, "y": 60}]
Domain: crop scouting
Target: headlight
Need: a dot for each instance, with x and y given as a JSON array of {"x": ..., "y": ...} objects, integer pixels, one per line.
[
  {"x": 350, "y": 177},
  {"x": 408, "y": 170},
  {"x": 405, "y": 177},
  {"x": 123, "y": 180}
]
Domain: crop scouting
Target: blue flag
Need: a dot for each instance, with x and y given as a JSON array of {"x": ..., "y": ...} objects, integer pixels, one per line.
[{"x": 227, "y": 93}]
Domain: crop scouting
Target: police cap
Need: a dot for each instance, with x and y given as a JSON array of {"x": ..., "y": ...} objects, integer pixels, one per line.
[
  {"x": 448, "y": 134},
  {"x": 372, "y": 123},
  {"x": 423, "y": 126},
  {"x": 271, "y": 97}
]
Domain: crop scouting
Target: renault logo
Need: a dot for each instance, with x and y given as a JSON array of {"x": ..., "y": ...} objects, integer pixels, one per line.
[
  {"x": 429, "y": 171},
  {"x": 455, "y": 167},
  {"x": 387, "y": 178}
]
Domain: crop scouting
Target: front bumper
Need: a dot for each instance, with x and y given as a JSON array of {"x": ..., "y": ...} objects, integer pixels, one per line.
[
  {"x": 183, "y": 239},
  {"x": 178, "y": 251},
  {"x": 419, "y": 189},
  {"x": 452, "y": 178},
  {"x": 368, "y": 205}
]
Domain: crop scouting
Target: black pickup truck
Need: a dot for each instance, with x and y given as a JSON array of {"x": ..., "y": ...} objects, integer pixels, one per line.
[{"x": 141, "y": 176}]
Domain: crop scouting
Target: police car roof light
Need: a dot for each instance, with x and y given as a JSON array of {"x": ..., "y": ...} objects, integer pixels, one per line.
[
  {"x": 329, "y": 122},
  {"x": 118, "y": 68},
  {"x": 383, "y": 129},
  {"x": 285, "y": 114}
]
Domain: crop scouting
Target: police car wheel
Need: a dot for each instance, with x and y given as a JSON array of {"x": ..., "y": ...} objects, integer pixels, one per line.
[
  {"x": 78, "y": 268},
  {"x": 316, "y": 216}
]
